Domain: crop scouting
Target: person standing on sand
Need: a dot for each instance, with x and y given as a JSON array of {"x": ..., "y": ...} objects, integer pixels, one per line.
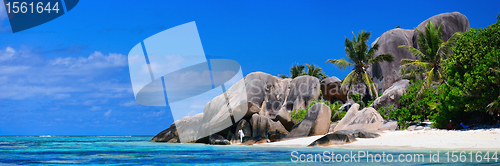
[{"x": 240, "y": 132}]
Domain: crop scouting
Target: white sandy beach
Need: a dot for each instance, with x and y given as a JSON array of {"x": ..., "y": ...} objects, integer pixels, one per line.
[{"x": 482, "y": 139}]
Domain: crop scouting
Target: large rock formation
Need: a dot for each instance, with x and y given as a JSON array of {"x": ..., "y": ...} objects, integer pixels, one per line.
[
  {"x": 368, "y": 118},
  {"x": 332, "y": 91},
  {"x": 392, "y": 95},
  {"x": 386, "y": 73},
  {"x": 452, "y": 22},
  {"x": 303, "y": 90},
  {"x": 316, "y": 122}
]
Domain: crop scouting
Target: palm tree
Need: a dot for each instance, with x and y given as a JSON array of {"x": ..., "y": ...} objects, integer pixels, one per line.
[
  {"x": 433, "y": 51},
  {"x": 295, "y": 71},
  {"x": 498, "y": 17},
  {"x": 313, "y": 70},
  {"x": 361, "y": 58}
]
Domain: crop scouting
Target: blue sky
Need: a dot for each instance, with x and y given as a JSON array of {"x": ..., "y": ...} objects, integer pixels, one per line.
[{"x": 70, "y": 76}]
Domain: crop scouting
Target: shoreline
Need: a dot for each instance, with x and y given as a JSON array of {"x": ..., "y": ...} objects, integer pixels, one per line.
[{"x": 434, "y": 139}]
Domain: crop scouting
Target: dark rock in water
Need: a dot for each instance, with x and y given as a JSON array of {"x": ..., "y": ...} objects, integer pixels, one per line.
[
  {"x": 333, "y": 139},
  {"x": 332, "y": 91},
  {"x": 359, "y": 133},
  {"x": 391, "y": 125},
  {"x": 392, "y": 95},
  {"x": 169, "y": 135},
  {"x": 316, "y": 122},
  {"x": 385, "y": 74},
  {"x": 216, "y": 139},
  {"x": 368, "y": 118},
  {"x": 452, "y": 22},
  {"x": 303, "y": 90}
]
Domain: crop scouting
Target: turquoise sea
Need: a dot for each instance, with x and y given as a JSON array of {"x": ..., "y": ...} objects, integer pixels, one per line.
[{"x": 136, "y": 150}]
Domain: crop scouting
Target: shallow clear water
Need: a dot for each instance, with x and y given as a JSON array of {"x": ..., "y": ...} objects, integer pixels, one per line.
[{"x": 138, "y": 151}]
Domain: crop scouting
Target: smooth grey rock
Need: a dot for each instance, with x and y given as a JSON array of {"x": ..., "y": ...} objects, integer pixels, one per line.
[
  {"x": 368, "y": 118},
  {"x": 260, "y": 126},
  {"x": 360, "y": 133},
  {"x": 385, "y": 74},
  {"x": 303, "y": 90},
  {"x": 391, "y": 96},
  {"x": 216, "y": 139},
  {"x": 332, "y": 91},
  {"x": 419, "y": 128},
  {"x": 263, "y": 87},
  {"x": 390, "y": 125},
  {"x": 285, "y": 118},
  {"x": 333, "y": 139},
  {"x": 316, "y": 122},
  {"x": 411, "y": 128}
]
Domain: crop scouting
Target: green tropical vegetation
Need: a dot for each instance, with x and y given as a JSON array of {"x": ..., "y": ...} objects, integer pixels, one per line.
[
  {"x": 470, "y": 85},
  {"x": 433, "y": 51},
  {"x": 473, "y": 80},
  {"x": 360, "y": 57},
  {"x": 412, "y": 109},
  {"x": 295, "y": 71},
  {"x": 298, "y": 115},
  {"x": 299, "y": 70}
]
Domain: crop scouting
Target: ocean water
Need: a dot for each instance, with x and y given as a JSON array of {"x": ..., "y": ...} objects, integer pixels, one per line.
[{"x": 135, "y": 150}]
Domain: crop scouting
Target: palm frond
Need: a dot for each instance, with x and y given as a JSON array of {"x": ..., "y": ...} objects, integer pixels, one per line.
[
  {"x": 387, "y": 57},
  {"x": 283, "y": 76},
  {"x": 349, "y": 80},
  {"x": 413, "y": 50},
  {"x": 371, "y": 87},
  {"x": 430, "y": 77},
  {"x": 445, "y": 48},
  {"x": 341, "y": 63},
  {"x": 296, "y": 70},
  {"x": 415, "y": 63}
]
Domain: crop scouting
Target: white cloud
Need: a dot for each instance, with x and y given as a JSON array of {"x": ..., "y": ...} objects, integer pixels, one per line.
[
  {"x": 153, "y": 114},
  {"x": 8, "y": 53},
  {"x": 130, "y": 103},
  {"x": 108, "y": 113},
  {"x": 95, "y": 108},
  {"x": 95, "y": 60},
  {"x": 25, "y": 74}
]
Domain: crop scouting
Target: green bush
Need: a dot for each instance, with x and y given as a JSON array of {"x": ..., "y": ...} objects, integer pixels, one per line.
[
  {"x": 414, "y": 107},
  {"x": 472, "y": 83},
  {"x": 298, "y": 115}
]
